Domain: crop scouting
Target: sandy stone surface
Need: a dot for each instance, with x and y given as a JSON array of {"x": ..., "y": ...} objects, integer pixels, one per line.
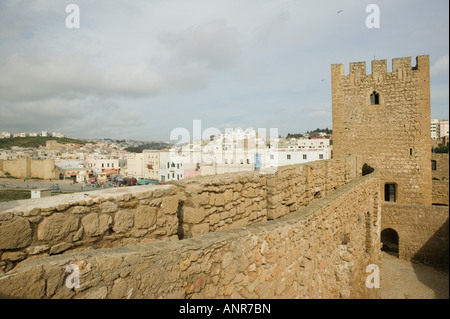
[{"x": 402, "y": 279}]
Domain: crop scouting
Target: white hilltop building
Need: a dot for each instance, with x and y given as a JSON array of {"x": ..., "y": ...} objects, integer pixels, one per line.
[
  {"x": 239, "y": 150},
  {"x": 233, "y": 151}
]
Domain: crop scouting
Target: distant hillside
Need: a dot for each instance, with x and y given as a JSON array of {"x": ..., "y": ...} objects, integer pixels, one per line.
[
  {"x": 148, "y": 146},
  {"x": 36, "y": 141},
  {"x": 311, "y": 133}
]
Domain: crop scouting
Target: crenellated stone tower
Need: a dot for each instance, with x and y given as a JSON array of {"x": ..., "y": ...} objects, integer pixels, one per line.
[{"x": 385, "y": 117}]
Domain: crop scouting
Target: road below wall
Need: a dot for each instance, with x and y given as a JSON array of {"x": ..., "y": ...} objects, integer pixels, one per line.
[{"x": 401, "y": 279}]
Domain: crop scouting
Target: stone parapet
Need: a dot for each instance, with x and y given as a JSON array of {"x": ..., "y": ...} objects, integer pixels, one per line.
[
  {"x": 107, "y": 218},
  {"x": 225, "y": 201},
  {"x": 188, "y": 208},
  {"x": 320, "y": 251}
]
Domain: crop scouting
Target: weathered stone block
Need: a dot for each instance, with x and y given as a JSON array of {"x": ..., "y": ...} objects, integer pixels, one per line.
[
  {"x": 13, "y": 255},
  {"x": 123, "y": 221},
  {"x": 108, "y": 207},
  {"x": 193, "y": 215},
  {"x": 214, "y": 219},
  {"x": 80, "y": 209},
  {"x": 34, "y": 250},
  {"x": 169, "y": 205},
  {"x": 15, "y": 233},
  {"x": 212, "y": 198},
  {"x": 57, "y": 227},
  {"x": 203, "y": 198},
  {"x": 129, "y": 204},
  {"x": 219, "y": 200},
  {"x": 200, "y": 229},
  {"x": 58, "y": 248},
  {"x": 105, "y": 222},
  {"x": 228, "y": 195},
  {"x": 145, "y": 217},
  {"x": 90, "y": 224}
]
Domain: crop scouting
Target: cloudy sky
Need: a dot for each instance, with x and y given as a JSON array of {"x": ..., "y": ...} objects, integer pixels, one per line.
[{"x": 139, "y": 69}]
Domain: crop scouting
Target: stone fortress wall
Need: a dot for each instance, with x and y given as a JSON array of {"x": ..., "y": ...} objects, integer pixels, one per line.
[
  {"x": 30, "y": 168},
  {"x": 440, "y": 180},
  {"x": 423, "y": 230},
  {"x": 423, "y": 233},
  {"x": 126, "y": 241},
  {"x": 37, "y": 228},
  {"x": 118, "y": 217},
  {"x": 238, "y": 199}
]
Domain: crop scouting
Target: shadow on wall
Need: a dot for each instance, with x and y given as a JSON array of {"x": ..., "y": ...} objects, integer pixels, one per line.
[
  {"x": 366, "y": 169},
  {"x": 435, "y": 253}
]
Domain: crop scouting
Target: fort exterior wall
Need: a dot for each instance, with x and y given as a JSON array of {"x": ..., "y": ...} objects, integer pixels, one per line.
[
  {"x": 17, "y": 168},
  {"x": 423, "y": 233},
  {"x": 189, "y": 208},
  {"x": 320, "y": 251},
  {"x": 44, "y": 169},
  {"x": 220, "y": 202},
  {"x": 29, "y": 168},
  {"x": 292, "y": 187},
  {"x": 440, "y": 192},
  {"x": 440, "y": 183}
]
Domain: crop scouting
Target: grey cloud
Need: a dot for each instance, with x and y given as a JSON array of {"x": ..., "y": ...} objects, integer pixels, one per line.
[
  {"x": 140, "y": 68},
  {"x": 213, "y": 44},
  {"x": 37, "y": 115},
  {"x": 441, "y": 66},
  {"x": 439, "y": 94},
  {"x": 79, "y": 117},
  {"x": 318, "y": 114},
  {"x": 69, "y": 75}
]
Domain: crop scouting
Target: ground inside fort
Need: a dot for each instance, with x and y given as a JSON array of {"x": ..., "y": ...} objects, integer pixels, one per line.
[{"x": 401, "y": 279}]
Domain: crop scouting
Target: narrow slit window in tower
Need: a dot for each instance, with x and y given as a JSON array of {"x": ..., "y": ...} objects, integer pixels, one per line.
[
  {"x": 390, "y": 192},
  {"x": 433, "y": 165},
  {"x": 374, "y": 98}
]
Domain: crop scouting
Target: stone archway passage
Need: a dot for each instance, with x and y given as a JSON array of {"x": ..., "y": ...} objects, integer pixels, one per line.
[{"x": 389, "y": 239}]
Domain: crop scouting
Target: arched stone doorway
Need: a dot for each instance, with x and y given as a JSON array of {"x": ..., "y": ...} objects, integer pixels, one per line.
[{"x": 389, "y": 240}]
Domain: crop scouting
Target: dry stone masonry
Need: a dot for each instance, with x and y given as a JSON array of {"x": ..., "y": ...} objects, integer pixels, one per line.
[
  {"x": 320, "y": 250},
  {"x": 422, "y": 229},
  {"x": 38, "y": 228},
  {"x": 142, "y": 242},
  {"x": 118, "y": 217},
  {"x": 215, "y": 203},
  {"x": 440, "y": 182}
]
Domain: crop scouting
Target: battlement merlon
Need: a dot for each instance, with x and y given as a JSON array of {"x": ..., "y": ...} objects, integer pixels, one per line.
[
  {"x": 422, "y": 63},
  {"x": 380, "y": 66},
  {"x": 358, "y": 68}
]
